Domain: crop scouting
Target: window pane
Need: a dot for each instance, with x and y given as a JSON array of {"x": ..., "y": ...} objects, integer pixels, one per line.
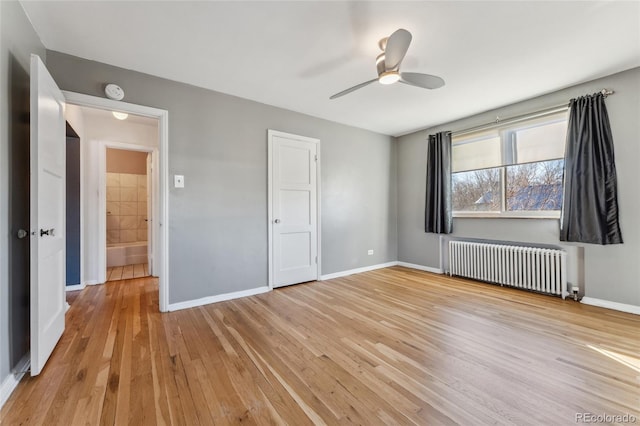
[
  {"x": 476, "y": 154},
  {"x": 540, "y": 141},
  {"x": 535, "y": 186},
  {"x": 477, "y": 190}
]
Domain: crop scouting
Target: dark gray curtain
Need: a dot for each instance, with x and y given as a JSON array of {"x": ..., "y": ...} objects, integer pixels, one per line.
[
  {"x": 438, "y": 201},
  {"x": 590, "y": 202}
]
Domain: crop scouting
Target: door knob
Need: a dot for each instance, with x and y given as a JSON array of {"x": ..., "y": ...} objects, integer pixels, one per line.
[
  {"x": 277, "y": 221},
  {"x": 50, "y": 232},
  {"x": 22, "y": 233}
]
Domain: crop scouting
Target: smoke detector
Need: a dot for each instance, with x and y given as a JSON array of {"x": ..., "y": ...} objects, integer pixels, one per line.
[{"x": 113, "y": 91}]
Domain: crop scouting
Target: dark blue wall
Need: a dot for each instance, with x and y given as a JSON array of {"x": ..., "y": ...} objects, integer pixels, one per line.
[{"x": 73, "y": 207}]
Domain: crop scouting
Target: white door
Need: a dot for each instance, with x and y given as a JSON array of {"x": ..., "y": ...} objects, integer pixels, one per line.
[
  {"x": 293, "y": 213},
  {"x": 48, "y": 303}
]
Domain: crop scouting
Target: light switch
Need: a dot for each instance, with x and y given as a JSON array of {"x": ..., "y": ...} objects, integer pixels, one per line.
[{"x": 178, "y": 181}]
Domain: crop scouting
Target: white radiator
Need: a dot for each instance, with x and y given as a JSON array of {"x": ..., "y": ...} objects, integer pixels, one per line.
[{"x": 536, "y": 269}]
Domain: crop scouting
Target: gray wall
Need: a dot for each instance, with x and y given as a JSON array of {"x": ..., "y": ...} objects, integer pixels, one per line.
[
  {"x": 218, "y": 222},
  {"x": 611, "y": 272},
  {"x": 17, "y": 41}
]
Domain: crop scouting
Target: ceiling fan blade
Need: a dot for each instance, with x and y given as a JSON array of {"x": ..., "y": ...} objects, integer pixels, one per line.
[
  {"x": 351, "y": 89},
  {"x": 397, "y": 46},
  {"x": 425, "y": 81}
]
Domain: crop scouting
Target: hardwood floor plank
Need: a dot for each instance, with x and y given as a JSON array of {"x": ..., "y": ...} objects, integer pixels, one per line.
[
  {"x": 138, "y": 270},
  {"x": 391, "y": 346},
  {"x": 116, "y": 274},
  {"x": 127, "y": 272}
]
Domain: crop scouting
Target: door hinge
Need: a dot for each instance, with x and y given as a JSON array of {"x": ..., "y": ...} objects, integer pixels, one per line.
[{"x": 315, "y": 157}]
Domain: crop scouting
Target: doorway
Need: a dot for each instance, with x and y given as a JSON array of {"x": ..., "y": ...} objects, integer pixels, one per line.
[
  {"x": 94, "y": 179},
  {"x": 128, "y": 200}
]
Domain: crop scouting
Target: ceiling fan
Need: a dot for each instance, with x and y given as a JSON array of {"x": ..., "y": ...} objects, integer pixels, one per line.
[{"x": 388, "y": 63}]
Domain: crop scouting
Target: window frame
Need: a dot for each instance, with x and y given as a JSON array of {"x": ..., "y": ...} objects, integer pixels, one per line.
[{"x": 506, "y": 130}]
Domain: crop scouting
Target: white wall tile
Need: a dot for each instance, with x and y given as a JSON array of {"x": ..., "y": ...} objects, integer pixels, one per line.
[
  {"x": 128, "y": 222},
  {"x": 128, "y": 208},
  {"x": 142, "y": 209},
  {"x": 142, "y": 223},
  {"x": 113, "y": 193},
  {"x": 113, "y": 179},
  {"x": 142, "y": 181},
  {"x": 113, "y": 208},
  {"x": 128, "y": 194},
  {"x": 142, "y": 234},
  {"x": 113, "y": 223},
  {"x": 128, "y": 180},
  {"x": 128, "y": 236},
  {"x": 142, "y": 194},
  {"x": 113, "y": 237}
]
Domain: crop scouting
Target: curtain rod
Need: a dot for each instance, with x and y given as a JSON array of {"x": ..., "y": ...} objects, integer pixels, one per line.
[{"x": 501, "y": 121}]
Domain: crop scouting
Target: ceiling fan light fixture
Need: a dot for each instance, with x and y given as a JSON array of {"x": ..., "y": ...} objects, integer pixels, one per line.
[{"x": 389, "y": 77}]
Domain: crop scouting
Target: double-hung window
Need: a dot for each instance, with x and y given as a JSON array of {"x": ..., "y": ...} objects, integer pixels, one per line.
[{"x": 511, "y": 170}]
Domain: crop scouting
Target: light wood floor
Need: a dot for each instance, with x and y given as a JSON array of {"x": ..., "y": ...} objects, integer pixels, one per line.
[
  {"x": 127, "y": 272},
  {"x": 393, "y": 346}
]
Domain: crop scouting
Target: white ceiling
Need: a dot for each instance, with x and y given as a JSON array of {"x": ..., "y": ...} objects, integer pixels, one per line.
[{"x": 295, "y": 55}]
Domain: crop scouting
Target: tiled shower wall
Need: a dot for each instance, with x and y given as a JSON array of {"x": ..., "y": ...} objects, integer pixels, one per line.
[{"x": 126, "y": 208}]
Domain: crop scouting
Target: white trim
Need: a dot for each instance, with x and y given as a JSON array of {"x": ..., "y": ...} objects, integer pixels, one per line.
[
  {"x": 76, "y": 287},
  {"x": 623, "y": 307},
  {"x": 357, "y": 270},
  {"x": 270, "y": 134},
  {"x": 217, "y": 298},
  {"x": 91, "y": 282},
  {"x": 161, "y": 257},
  {"x": 319, "y": 210},
  {"x": 269, "y": 210},
  {"x": 10, "y": 382},
  {"x": 421, "y": 267},
  {"x": 540, "y": 214}
]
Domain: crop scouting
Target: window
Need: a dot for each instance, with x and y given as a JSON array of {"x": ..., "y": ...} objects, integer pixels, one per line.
[{"x": 513, "y": 170}]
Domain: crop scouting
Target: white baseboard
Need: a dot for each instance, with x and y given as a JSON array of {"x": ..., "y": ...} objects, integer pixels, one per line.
[
  {"x": 76, "y": 287},
  {"x": 623, "y": 307},
  {"x": 10, "y": 382},
  {"x": 421, "y": 267},
  {"x": 357, "y": 270},
  {"x": 217, "y": 298},
  {"x": 91, "y": 282}
]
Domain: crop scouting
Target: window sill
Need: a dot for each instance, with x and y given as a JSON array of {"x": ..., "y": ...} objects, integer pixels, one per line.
[{"x": 509, "y": 215}]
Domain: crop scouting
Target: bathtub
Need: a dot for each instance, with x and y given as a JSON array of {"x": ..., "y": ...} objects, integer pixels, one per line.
[{"x": 120, "y": 254}]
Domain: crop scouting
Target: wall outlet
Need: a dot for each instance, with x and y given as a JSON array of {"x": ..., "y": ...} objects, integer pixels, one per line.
[
  {"x": 178, "y": 181},
  {"x": 370, "y": 252}
]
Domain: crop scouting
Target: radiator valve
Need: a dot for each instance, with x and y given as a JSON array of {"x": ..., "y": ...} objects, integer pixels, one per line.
[{"x": 574, "y": 291}]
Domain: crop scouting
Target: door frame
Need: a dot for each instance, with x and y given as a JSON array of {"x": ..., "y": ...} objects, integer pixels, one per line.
[
  {"x": 161, "y": 256},
  {"x": 102, "y": 201},
  {"x": 270, "y": 134}
]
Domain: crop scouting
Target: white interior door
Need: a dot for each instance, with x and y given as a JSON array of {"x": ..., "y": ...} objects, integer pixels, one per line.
[
  {"x": 47, "y": 215},
  {"x": 294, "y": 212}
]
